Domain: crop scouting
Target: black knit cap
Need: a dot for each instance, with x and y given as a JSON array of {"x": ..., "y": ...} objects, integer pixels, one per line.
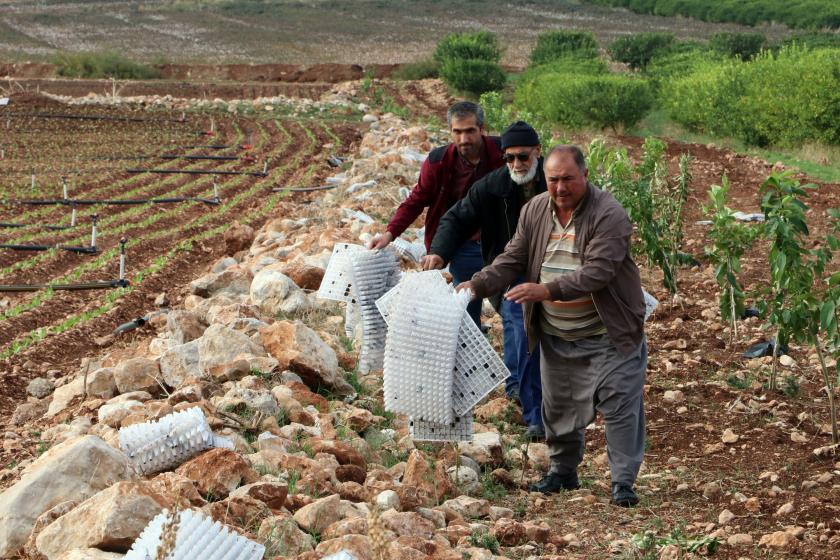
[{"x": 520, "y": 133}]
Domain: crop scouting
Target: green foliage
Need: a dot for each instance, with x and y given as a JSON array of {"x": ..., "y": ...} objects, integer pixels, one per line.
[
  {"x": 765, "y": 101},
  {"x": 483, "y": 539},
  {"x": 490, "y": 489},
  {"x": 653, "y": 200},
  {"x": 552, "y": 45},
  {"x": 649, "y": 543},
  {"x": 795, "y": 13},
  {"x": 730, "y": 240},
  {"x": 102, "y": 65},
  {"x": 498, "y": 115},
  {"x": 813, "y": 40},
  {"x": 479, "y": 45},
  {"x": 473, "y": 75},
  {"x": 637, "y": 50},
  {"x": 420, "y": 70},
  {"x": 679, "y": 62},
  {"x": 575, "y": 101},
  {"x": 741, "y": 45}
]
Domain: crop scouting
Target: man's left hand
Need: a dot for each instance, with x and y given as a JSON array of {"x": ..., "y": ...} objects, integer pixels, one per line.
[{"x": 528, "y": 293}]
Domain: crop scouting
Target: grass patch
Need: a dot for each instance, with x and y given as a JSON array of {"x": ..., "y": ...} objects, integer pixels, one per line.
[
  {"x": 420, "y": 70},
  {"x": 102, "y": 65}
]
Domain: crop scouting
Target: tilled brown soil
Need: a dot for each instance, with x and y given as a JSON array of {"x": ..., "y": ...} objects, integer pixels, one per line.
[{"x": 690, "y": 475}]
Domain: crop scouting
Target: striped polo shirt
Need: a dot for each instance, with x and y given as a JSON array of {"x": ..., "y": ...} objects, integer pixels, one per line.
[{"x": 569, "y": 320}]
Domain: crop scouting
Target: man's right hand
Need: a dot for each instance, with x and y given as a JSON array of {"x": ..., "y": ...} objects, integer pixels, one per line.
[
  {"x": 380, "y": 240},
  {"x": 466, "y": 286},
  {"x": 432, "y": 262}
]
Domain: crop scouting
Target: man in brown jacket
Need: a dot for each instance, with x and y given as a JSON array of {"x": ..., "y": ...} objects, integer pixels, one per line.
[{"x": 584, "y": 306}]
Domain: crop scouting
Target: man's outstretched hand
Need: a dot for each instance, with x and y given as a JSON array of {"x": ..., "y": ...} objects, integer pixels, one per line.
[
  {"x": 528, "y": 293},
  {"x": 432, "y": 262},
  {"x": 380, "y": 240},
  {"x": 466, "y": 286}
]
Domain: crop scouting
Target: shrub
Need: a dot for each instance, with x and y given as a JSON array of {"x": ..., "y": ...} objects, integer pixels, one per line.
[
  {"x": 422, "y": 69},
  {"x": 637, "y": 50},
  {"x": 741, "y": 45},
  {"x": 782, "y": 100},
  {"x": 575, "y": 65},
  {"x": 575, "y": 101},
  {"x": 472, "y": 75},
  {"x": 813, "y": 40},
  {"x": 679, "y": 62},
  {"x": 552, "y": 45},
  {"x": 480, "y": 45},
  {"x": 102, "y": 65}
]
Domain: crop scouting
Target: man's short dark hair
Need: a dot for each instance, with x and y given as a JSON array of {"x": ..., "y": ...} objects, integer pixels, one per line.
[
  {"x": 464, "y": 109},
  {"x": 574, "y": 151}
]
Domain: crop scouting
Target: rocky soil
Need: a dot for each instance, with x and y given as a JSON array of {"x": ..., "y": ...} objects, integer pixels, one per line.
[{"x": 318, "y": 466}]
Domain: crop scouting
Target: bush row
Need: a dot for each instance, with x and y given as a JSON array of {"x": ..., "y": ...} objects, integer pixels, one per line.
[
  {"x": 812, "y": 14},
  {"x": 783, "y": 99},
  {"x": 102, "y": 65}
]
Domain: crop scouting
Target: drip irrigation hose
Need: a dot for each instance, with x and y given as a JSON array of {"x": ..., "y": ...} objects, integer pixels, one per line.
[
  {"x": 199, "y": 172},
  {"x": 91, "y": 249},
  {"x": 303, "y": 189},
  {"x": 91, "y": 117},
  {"x": 128, "y": 201},
  {"x": 120, "y": 282}
]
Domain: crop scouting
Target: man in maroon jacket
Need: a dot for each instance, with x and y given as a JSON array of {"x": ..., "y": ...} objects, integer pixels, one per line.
[{"x": 445, "y": 177}]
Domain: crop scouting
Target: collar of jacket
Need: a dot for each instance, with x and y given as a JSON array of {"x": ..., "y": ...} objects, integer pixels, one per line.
[{"x": 507, "y": 188}]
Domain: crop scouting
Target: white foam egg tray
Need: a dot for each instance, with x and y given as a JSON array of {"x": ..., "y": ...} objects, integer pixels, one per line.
[
  {"x": 198, "y": 537},
  {"x": 159, "y": 445}
]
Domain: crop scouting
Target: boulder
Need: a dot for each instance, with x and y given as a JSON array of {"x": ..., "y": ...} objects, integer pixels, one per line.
[
  {"x": 272, "y": 494},
  {"x": 29, "y": 411},
  {"x": 428, "y": 484},
  {"x": 320, "y": 514},
  {"x": 64, "y": 472},
  {"x": 485, "y": 449},
  {"x": 408, "y": 523},
  {"x": 112, "y": 414},
  {"x": 357, "y": 545},
  {"x": 180, "y": 362},
  {"x": 184, "y": 326},
  {"x": 282, "y": 536},
  {"x": 216, "y": 473},
  {"x": 238, "y": 237},
  {"x": 100, "y": 384},
  {"x": 304, "y": 275},
  {"x": 221, "y": 345},
  {"x": 468, "y": 507},
  {"x": 110, "y": 520},
  {"x": 233, "y": 281},
  {"x": 270, "y": 289},
  {"x": 299, "y": 349},
  {"x": 137, "y": 374},
  {"x": 40, "y": 387}
]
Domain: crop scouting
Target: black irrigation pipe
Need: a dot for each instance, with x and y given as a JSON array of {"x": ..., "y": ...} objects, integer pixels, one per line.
[
  {"x": 303, "y": 189},
  {"x": 91, "y": 117},
  {"x": 173, "y": 156},
  {"x": 210, "y": 147},
  {"x": 121, "y": 282},
  {"x": 90, "y": 250},
  {"x": 263, "y": 173},
  {"x": 9, "y": 225},
  {"x": 123, "y": 202}
]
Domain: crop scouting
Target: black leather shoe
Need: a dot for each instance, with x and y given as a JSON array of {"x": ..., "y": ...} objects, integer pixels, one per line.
[
  {"x": 554, "y": 482},
  {"x": 535, "y": 433},
  {"x": 623, "y": 495}
]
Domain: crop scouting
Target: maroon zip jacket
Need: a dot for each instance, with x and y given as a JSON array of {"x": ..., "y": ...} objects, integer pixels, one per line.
[{"x": 434, "y": 189}]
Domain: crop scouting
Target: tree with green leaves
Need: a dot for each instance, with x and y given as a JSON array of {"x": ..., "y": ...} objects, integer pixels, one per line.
[{"x": 730, "y": 240}]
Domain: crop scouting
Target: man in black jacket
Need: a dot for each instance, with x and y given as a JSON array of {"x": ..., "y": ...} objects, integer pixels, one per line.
[{"x": 492, "y": 205}]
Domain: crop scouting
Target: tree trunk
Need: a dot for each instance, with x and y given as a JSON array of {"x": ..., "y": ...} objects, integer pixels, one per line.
[{"x": 830, "y": 390}]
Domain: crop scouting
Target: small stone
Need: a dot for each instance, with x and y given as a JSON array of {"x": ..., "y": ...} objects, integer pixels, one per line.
[
  {"x": 740, "y": 539},
  {"x": 673, "y": 396},
  {"x": 729, "y": 436},
  {"x": 787, "y": 361},
  {"x": 779, "y": 539},
  {"x": 40, "y": 387},
  {"x": 711, "y": 490},
  {"x": 752, "y": 505},
  {"x": 388, "y": 499},
  {"x": 725, "y": 517},
  {"x": 798, "y": 437},
  {"x": 785, "y": 509}
]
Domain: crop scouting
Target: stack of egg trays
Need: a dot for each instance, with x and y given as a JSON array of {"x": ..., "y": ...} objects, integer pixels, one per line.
[
  {"x": 420, "y": 350},
  {"x": 337, "y": 283},
  {"x": 414, "y": 251},
  {"x": 460, "y": 429},
  {"x": 198, "y": 537},
  {"x": 373, "y": 273},
  {"x": 478, "y": 368},
  {"x": 159, "y": 445}
]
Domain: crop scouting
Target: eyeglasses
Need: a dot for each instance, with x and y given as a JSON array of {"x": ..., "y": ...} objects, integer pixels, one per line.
[{"x": 521, "y": 156}]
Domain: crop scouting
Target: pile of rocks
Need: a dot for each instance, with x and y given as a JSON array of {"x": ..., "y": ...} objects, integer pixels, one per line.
[{"x": 267, "y": 363}]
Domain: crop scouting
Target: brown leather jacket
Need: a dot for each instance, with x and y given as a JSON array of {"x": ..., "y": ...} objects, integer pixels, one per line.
[{"x": 603, "y": 232}]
